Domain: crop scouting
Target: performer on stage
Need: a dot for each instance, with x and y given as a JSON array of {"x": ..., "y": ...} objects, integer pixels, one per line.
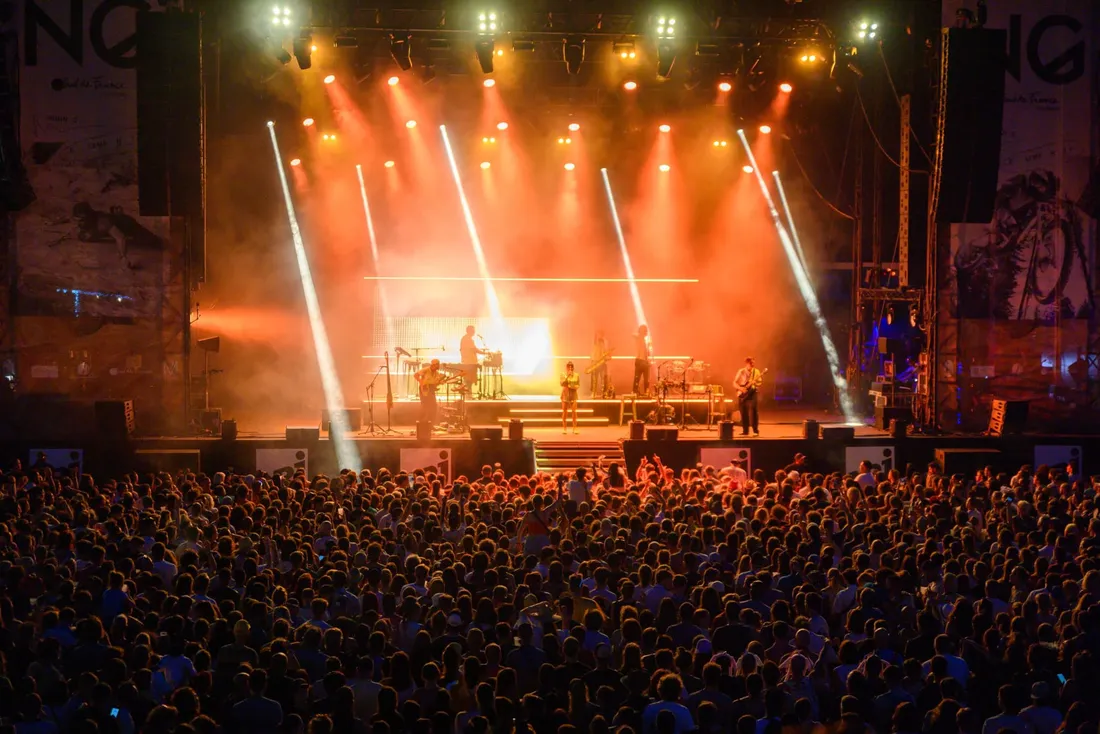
[
  {"x": 468, "y": 351},
  {"x": 642, "y": 352},
  {"x": 429, "y": 378},
  {"x": 570, "y": 384},
  {"x": 600, "y": 352},
  {"x": 747, "y": 383}
]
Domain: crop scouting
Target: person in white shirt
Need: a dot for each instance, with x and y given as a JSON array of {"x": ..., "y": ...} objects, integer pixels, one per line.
[
  {"x": 956, "y": 666},
  {"x": 580, "y": 487},
  {"x": 866, "y": 477}
]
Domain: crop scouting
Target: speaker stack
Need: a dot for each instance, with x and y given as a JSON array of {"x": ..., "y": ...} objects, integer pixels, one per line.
[{"x": 115, "y": 418}]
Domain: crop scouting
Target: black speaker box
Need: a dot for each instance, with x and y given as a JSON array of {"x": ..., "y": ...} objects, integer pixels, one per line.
[
  {"x": 229, "y": 430},
  {"x": 423, "y": 431},
  {"x": 354, "y": 418},
  {"x": 115, "y": 418},
  {"x": 662, "y": 433},
  {"x": 811, "y": 429},
  {"x": 303, "y": 434},
  {"x": 899, "y": 428},
  {"x": 1008, "y": 417},
  {"x": 838, "y": 434},
  {"x": 515, "y": 429},
  {"x": 484, "y": 433},
  {"x": 725, "y": 430},
  {"x": 637, "y": 430},
  {"x": 211, "y": 420},
  {"x": 971, "y": 111},
  {"x": 884, "y": 415}
]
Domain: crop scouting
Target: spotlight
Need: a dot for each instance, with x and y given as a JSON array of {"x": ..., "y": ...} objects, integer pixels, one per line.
[
  {"x": 664, "y": 168},
  {"x": 630, "y": 86},
  {"x": 410, "y": 124},
  {"x": 302, "y": 48},
  {"x": 281, "y": 16},
  {"x": 270, "y": 123},
  {"x": 569, "y": 166},
  {"x": 502, "y": 126},
  {"x": 487, "y": 22},
  {"x": 746, "y": 168},
  {"x": 868, "y": 31},
  {"x": 330, "y": 79},
  {"x": 295, "y": 162},
  {"x": 389, "y": 164},
  {"x": 569, "y": 141},
  {"x": 572, "y": 52},
  {"x": 624, "y": 49},
  {"x": 489, "y": 83},
  {"x": 485, "y": 165},
  {"x": 308, "y": 122},
  {"x": 766, "y": 129},
  {"x": 485, "y": 47},
  {"x": 401, "y": 50},
  {"x": 574, "y": 127},
  {"x": 665, "y": 128},
  {"x": 786, "y": 88},
  {"x": 500, "y": 52},
  {"x": 488, "y": 140},
  {"x": 666, "y": 57},
  {"x": 666, "y": 27},
  {"x": 724, "y": 86},
  {"x": 724, "y": 143},
  {"x": 393, "y": 81},
  {"x": 561, "y": 141},
  {"x": 313, "y": 48}
]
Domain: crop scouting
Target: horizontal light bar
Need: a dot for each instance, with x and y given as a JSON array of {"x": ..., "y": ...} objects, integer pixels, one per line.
[
  {"x": 560, "y": 356},
  {"x": 471, "y": 279}
]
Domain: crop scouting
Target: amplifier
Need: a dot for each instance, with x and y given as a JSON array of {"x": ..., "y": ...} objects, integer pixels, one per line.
[
  {"x": 299, "y": 435},
  {"x": 662, "y": 433},
  {"x": 484, "y": 433},
  {"x": 838, "y": 434},
  {"x": 354, "y": 418}
]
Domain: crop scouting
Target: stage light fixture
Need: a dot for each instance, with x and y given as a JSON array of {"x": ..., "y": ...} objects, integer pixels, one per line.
[
  {"x": 664, "y": 168},
  {"x": 500, "y": 52},
  {"x": 345, "y": 42},
  {"x": 330, "y": 79},
  {"x": 721, "y": 143},
  {"x": 502, "y": 126},
  {"x": 574, "y": 127},
  {"x": 281, "y": 54},
  {"x": 630, "y": 86},
  {"x": 489, "y": 83},
  {"x": 561, "y": 141},
  {"x": 522, "y": 44},
  {"x": 666, "y": 57},
  {"x": 313, "y": 48},
  {"x": 488, "y": 140},
  {"x": 665, "y": 128},
  {"x": 724, "y": 86},
  {"x": 867, "y": 31},
  {"x": 389, "y": 164},
  {"x": 484, "y": 47},
  {"x": 487, "y": 22},
  {"x": 572, "y": 52},
  {"x": 393, "y": 81},
  {"x": 308, "y": 122},
  {"x": 410, "y": 124},
  {"x": 485, "y": 165},
  {"x": 766, "y": 129},
  {"x": 302, "y": 48},
  {"x": 746, "y": 168},
  {"x": 281, "y": 16},
  {"x": 270, "y": 123},
  {"x": 624, "y": 49},
  {"x": 295, "y": 162},
  {"x": 569, "y": 166},
  {"x": 786, "y": 88},
  {"x": 666, "y": 27},
  {"x": 401, "y": 50}
]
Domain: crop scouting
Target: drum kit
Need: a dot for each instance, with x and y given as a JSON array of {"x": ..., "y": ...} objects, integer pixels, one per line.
[{"x": 678, "y": 377}]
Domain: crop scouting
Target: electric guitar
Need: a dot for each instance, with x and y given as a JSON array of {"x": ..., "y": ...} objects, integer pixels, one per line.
[{"x": 750, "y": 389}]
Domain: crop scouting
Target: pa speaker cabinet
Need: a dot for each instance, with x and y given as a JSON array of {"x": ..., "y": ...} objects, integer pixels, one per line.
[
  {"x": 968, "y": 461},
  {"x": 663, "y": 433},
  {"x": 884, "y": 415},
  {"x": 811, "y": 429},
  {"x": 354, "y": 418},
  {"x": 838, "y": 434},
  {"x": 487, "y": 433},
  {"x": 115, "y": 418},
  {"x": 423, "y": 431},
  {"x": 1008, "y": 417},
  {"x": 169, "y": 460},
  {"x": 637, "y": 430},
  {"x": 515, "y": 430},
  {"x": 303, "y": 434},
  {"x": 229, "y": 430},
  {"x": 725, "y": 430}
]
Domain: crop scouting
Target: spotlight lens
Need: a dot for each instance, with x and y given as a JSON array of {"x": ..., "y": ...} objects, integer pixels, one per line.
[
  {"x": 569, "y": 166},
  {"x": 766, "y": 129},
  {"x": 484, "y": 165},
  {"x": 672, "y": 21},
  {"x": 716, "y": 143},
  {"x": 393, "y": 81},
  {"x": 500, "y": 52},
  {"x": 863, "y": 26},
  {"x": 286, "y": 21},
  {"x": 724, "y": 143},
  {"x": 481, "y": 17},
  {"x": 665, "y": 128},
  {"x": 270, "y": 123},
  {"x": 389, "y": 164},
  {"x": 746, "y": 168},
  {"x": 482, "y": 27},
  {"x": 874, "y": 26},
  {"x": 492, "y": 16},
  {"x": 785, "y": 88},
  {"x": 561, "y": 141},
  {"x": 724, "y": 86},
  {"x": 295, "y": 161},
  {"x": 492, "y": 140},
  {"x": 330, "y": 79},
  {"x": 804, "y": 58},
  {"x": 574, "y": 127},
  {"x": 623, "y": 55},
  {"x": 410, "y": 124},
  {"x": 633, "y": 55},
  {"x": 502, "y": 126},
  {"x": 630, "y": 86},
  {"x": 313, "y": 49},
  {"x": 307, "y": 122},
  {"x": 489, "y": 83},
  {"x": 664, "y": 168},
  {"x": 569, "y": 141}
]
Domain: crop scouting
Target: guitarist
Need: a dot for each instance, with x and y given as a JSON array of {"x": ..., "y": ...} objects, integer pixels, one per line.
[
  {"x": 429, "y": 378},
  {"x": 747, "y": 383},
  {"x": 600, "y": 356}
]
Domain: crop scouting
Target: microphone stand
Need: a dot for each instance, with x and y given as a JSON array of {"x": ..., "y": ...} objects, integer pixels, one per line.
[
  {"x": 372, "y": 427},
  {"x": 683, "y": 399}
]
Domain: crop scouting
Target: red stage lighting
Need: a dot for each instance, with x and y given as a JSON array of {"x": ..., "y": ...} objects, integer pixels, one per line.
[
  {"x": 330, "y": 79},
  {"x": 665, "y": 128},
  {"x": 724, "y": 86},
  {"x": 295, "y": 161},
  {"x": 786, "y": 88},
  {"x": 630, "y": 86},
  {"x": 307, "y": 122},
  {"x": 766, "y": 129},
  {"x": 489, "y": 83},
  {"x": 393, "y": 81}
]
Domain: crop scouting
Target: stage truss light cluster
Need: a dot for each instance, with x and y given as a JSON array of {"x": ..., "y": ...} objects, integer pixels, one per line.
[
  {"x": 488, "y": 25},
  {"x": 572, "y": 53},
  {"x": 281, "y": 16},
  {"x": 867, "y": 31},
  {"x": 329, "y": 137},
  {"x": 811, "y": 56},
  {"x": 666, "y": 27},
  {"x": 489, "y": 140},
  {"x": 625, "y": 50},
  {"x": 721, "y": 143},
  {"x": 630, "y": 86},
  {"x": 565, "y": 141},
  {"x": 401, "y": 50}
]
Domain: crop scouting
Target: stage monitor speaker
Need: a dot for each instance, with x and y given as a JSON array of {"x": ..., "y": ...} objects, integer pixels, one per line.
[
  {"x": 884, "y": 415},
  {"x": 229, "y": 430},
  {"x": 663, "y": 433},
  {"x": 211, "y": 420},
  {"x": 423, "y": 431},
  {"x": 354, "y": 418},
  {"x": 838, "y": 434},
  {"x": 487, "y": 433},
  {"x": 515, "y": 430},
  {"x": 968, "y": 461},
  {"x": 302, "y": 435},
  {"x": 637, "y": 430},
  {"x": 811, "y": 429},
  {"x": 1008, "y": 417},
  {"x": 899, "y": 428},
  {"x": 971, "y": 112},
  {"x": 115, "y": 418},
  {"x": 887, "y": 345},
  {"x": 725, "y": 430}
]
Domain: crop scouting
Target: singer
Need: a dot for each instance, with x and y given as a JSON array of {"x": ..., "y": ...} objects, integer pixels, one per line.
[{"x": 570, "y": 384}]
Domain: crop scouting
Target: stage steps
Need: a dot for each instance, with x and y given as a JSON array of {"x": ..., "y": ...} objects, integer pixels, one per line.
[
  {"x": 567, "y": 455},
  {"x": 542, "y": 417}
]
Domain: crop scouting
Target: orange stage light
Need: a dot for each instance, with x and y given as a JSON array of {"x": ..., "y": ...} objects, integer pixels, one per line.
[
  {"x": 313, "y": 48},
  {"x": 410, "y": 124},
  {"x": 746, "y": 168},
  {"x": 786, "y": 88},
  {"x": 500, "y": 52},
  {"x": 502, "y": 126},
  {"x": 485, "y": 165},
  {"x": 489, "y": 83},
  {"x": 307, "y": 122},
  {"x": 664, "y": 168},
  {"x": 569, "y": 166},
  {"x": 393, "y": 81},
  {"x": 665, "y": 128},
  {"x": 630, "y": 86},
  {"x": 766, "y": 129},
  {"x": 574, "y": 127},
  {"x": 330, "y": 79},
  {"x": 295, "y": 161},
  {"x": 724, "y": 86},
  {"x": 389, "y": 164},
  {"x": 561, "y": 141}
]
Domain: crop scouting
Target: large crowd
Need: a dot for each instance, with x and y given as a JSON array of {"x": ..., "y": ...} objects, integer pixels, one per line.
[{"x": 649, "y": 602}]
